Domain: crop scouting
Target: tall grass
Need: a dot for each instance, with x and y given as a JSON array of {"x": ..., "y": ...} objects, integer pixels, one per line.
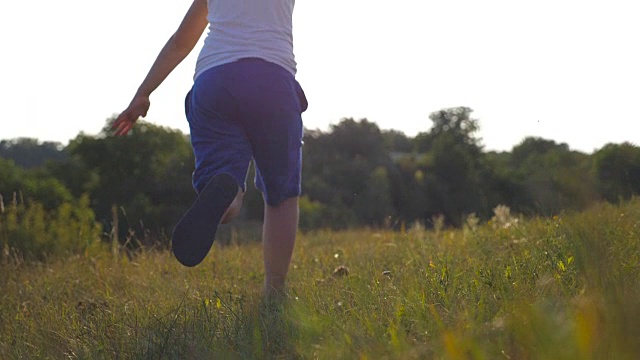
[{"x": 566, "y": 287}]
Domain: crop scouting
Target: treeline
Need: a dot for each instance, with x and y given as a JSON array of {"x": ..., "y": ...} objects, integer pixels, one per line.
[
  {"x": 359, "y": 174},
  {"x": 353, "y": 175}
]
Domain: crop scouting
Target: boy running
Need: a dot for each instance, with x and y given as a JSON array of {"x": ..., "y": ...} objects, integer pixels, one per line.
[{"x": 244, "y": 104}]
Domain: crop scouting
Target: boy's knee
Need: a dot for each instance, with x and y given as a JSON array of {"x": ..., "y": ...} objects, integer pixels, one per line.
[
  {"x": 277, "y": 199},
  {"x": 234, "y": 208},
  {"x": 283, "y": 203}
]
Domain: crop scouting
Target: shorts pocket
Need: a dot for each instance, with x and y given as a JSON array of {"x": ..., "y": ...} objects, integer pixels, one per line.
[
  {"x": 187, "y": 103},
  {"x": 302, "y": 98}
]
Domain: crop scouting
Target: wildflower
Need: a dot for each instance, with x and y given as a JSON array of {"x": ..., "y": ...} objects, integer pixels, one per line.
[
  {"x": 471, "y": 223},
  {"x": 502, "y": 217}
]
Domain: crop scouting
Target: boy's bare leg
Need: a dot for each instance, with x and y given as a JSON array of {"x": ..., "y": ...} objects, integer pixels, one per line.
[
  {"x": 278, "y": 239},
  {"x": 234, "y": 208}
]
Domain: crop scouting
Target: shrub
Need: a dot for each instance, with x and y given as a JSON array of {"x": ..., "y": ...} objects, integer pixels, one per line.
[{"x": 31, "y": 232}]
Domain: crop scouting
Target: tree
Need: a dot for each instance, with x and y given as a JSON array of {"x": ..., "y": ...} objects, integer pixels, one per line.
[
  {"x": 531, "y": 147},
  {"x": 408, "y": 178},
  {"x": 147, "y": 174},
  {"x": 458, "y": 187},
  {"x": 503, "y": 186},
  {"x": 28, "y": 185},
  {"x": 553, "y": 177},
  {"x": 31, "y": 153},
  {"x": 457, "y": 124},
  {"x": 617, "y": 169},
  {"x": 396, "y": 141},
  {"x": 374, "y": 205},
  {"x": 339, "y": 166}
]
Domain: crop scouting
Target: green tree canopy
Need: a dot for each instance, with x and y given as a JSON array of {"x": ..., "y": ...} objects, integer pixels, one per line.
[
  {"x": 31, "y": 153},
  {"x": 617, "y": 168},
  {"x": 339, "y": 169},
  {"x": 459, "y": 183},
  {"x": 553, "y": 177},
  {"x": 25, "y": 185},
  {"x": 146, "y": 173}
]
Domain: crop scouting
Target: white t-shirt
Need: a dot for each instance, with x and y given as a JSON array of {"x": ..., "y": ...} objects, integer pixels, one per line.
[{"x": 248, "y": 28}]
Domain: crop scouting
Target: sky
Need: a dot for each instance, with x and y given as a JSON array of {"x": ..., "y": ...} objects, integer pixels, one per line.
[{"x": 564, "y": 70}]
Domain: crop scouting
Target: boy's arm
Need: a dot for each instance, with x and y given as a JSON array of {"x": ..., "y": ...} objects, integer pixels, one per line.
[{"x": 174, "y": 51}]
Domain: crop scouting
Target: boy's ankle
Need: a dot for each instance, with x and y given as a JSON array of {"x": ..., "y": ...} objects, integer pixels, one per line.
[{"x": 274, "y": 289}]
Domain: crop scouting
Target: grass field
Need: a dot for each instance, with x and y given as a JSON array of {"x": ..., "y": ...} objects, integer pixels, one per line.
[{"x": 566, "y": 287}]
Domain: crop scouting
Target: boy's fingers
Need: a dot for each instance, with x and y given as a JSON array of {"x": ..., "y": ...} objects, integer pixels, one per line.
[
  {"x": 122, "y": 125},
  {"x": 125, "y": 121},
  {"x": 117, "y": 124},
  {"x": 119, "y": 120},
  {"x": 123, "y": 130}
]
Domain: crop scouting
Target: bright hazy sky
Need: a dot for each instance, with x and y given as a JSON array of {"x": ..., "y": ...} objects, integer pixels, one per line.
[{"x": 565, "y": 70}]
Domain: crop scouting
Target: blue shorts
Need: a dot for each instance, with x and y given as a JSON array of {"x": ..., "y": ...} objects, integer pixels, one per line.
[{"x": 248, "y": 109}]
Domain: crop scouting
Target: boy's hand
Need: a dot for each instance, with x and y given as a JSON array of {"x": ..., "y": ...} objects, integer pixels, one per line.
[{"x": 125, "y": 121}]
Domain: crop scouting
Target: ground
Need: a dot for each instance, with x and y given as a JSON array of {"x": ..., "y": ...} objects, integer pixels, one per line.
[{"x": 566, "y": 287}]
